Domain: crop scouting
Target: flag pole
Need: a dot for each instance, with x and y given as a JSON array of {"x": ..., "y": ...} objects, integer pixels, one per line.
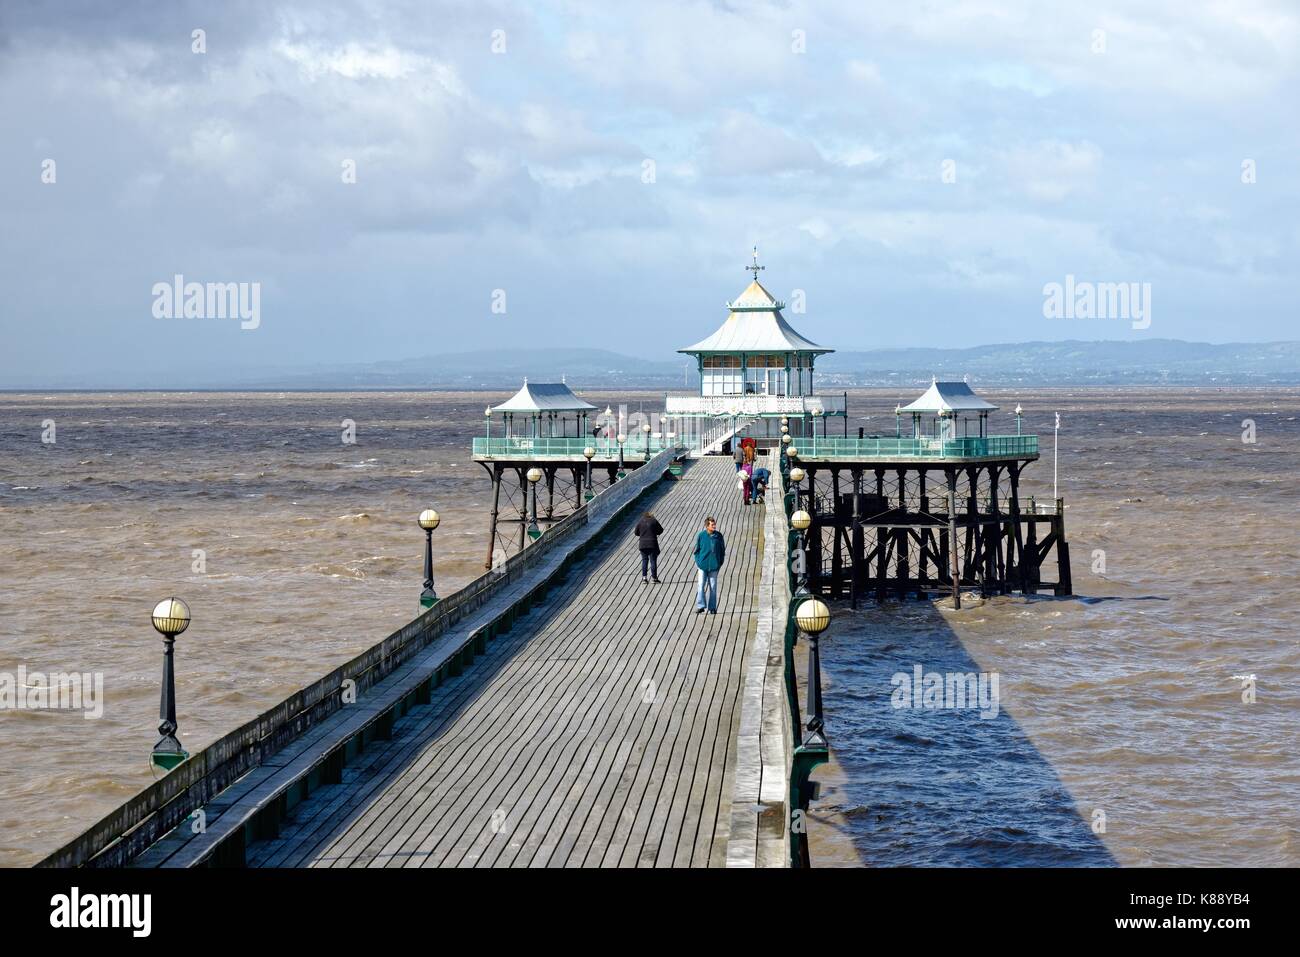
[{"x": 1056, "y": 441}]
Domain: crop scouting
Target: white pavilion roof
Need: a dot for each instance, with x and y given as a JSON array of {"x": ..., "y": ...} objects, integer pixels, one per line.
[
  {"x": 756, "y": 325},
  {"x": 544, "y": 397},
  {"x": 949, "y": 397}
]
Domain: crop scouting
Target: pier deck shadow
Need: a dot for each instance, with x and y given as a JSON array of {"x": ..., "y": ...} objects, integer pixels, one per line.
[{"x": 940, "y": 787}]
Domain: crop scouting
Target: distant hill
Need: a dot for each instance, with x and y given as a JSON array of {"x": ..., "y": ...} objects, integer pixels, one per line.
[
  {"x": 1070, "y": 363},
  {"x": 1144, "y": 362},
  {"x": 490, "y": 369}
]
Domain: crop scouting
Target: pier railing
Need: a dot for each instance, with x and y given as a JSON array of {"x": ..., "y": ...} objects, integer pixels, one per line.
[
  {"x": 893, "y": 448},
  {"x": 755, "y": 404},
  {"x": 133, "y": 827},
  {"x": 530, "y": 447}
]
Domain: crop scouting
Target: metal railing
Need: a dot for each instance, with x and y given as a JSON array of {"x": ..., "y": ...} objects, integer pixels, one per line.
[
  {"x": 606, "y": 449},
  {"x": 753, "y": 404},
  {"x": 891, "y": 447}
]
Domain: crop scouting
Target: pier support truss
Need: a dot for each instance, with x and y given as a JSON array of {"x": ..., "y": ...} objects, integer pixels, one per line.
[
  {"x": 887, "y": 530},
  {"x": 560, "y": 492}
]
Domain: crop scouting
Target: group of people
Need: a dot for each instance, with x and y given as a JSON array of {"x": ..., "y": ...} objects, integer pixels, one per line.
[
  {"x": 750, "y": 478},
  {"x": 709, "y": 553}
]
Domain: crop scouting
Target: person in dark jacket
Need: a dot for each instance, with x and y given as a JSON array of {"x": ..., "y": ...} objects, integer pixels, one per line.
[
  {"x": 647, "y": 532},
  {"x": 710, "y": 553},
  {"x": 746, "y": 481},
  {"x": 738, "y": 456}
]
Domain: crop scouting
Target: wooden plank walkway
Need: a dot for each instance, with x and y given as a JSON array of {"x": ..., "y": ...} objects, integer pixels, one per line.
[{"x": 600, "y": 731}]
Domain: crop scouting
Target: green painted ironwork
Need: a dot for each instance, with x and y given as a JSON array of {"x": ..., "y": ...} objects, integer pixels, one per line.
[
  {"x": 892, "y": 448},
  {"x": 529, "y": 447},
  {"x": 806, "y": 756},
  {"x": 167, "y": 760}
]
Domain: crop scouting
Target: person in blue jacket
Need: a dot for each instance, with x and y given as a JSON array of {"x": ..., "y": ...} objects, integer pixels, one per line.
[{"x": 710, "y": 552}]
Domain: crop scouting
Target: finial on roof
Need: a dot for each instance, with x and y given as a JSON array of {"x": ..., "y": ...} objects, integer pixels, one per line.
[
  {"x": 525, "y": 380},
  {"x": 934, "y": 380},
  {"x": 756, "y": 268}
]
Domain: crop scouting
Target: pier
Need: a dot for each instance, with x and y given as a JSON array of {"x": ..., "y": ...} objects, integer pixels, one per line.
[
  {"x": 556, "y": 712},
  {"x": 560, "y": 712}
]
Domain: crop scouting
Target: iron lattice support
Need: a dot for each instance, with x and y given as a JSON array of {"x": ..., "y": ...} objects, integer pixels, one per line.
[
  {"x": 878, "y": 530},
  {"x": 559, "y": 494}
]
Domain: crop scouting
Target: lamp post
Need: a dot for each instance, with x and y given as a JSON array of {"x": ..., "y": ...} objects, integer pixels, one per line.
[
  {"x": 796, "y": 477},
  {"x": 645, "y": 428},
  {"x": 534, "y": 476},
  {"x": 800, "y": 522},
  {"x": 898, "y": 420},
  {"x": 1019, "y": 417},
  {"x": 817, "y": 417},
  {"x": 587, "y": 454},
  {"x": 785, "y": 461},
  {"x": 812, "y": 618},
  {"x": 621, "y": 439},
  {"x": 170, "y": 617},
  {"x": 428, "y": 521},
  {"x": 487, "y": 425}
]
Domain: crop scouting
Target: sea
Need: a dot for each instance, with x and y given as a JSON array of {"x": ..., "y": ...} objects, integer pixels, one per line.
[{"x": 1149, "y": 719}]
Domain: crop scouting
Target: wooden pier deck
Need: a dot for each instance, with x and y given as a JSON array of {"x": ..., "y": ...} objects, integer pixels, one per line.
[{"x": 600, "y": 731}]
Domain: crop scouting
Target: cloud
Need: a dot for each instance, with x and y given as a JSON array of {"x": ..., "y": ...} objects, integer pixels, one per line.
[{"x": 524, "y": 169}]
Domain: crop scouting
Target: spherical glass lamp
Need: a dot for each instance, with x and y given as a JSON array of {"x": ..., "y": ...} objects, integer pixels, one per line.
[
  {"x": 429, "y": 520},
  {"x": 797, "y": 475},
  {"x": 534, "y": 474},
  {"x": 170, "y": 617},
  {"x": 588, "y": 453},
  {"x": 800, "y": 520},
  {"x": 813, "y": 616}
]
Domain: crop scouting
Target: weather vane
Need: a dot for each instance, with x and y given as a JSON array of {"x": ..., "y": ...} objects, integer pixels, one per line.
[{"x": 756, "y": 267}]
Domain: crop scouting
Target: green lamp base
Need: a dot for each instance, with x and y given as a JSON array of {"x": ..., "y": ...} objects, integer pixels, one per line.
[{"x": 167, "y": 760}]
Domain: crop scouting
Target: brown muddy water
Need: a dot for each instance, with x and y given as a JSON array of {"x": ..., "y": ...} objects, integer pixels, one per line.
[{"x": 1122, "y": 699}]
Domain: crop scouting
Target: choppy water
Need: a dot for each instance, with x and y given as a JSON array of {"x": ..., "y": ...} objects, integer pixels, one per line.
[
  {"x": 1119, "y": 702},
  {"x": 312, "y": 554}
]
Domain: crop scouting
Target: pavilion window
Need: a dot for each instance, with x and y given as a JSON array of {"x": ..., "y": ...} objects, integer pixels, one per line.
[{"x": 722, "y": 375}]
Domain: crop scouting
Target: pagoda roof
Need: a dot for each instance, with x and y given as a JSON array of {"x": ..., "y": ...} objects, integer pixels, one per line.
[
  {"x": 948, "y": 397},
  {"x": 544, "y": 397},
  {"x": 755, "y": 325}
]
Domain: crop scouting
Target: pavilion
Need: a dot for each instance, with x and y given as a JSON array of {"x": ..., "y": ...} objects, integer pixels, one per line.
[
  {"x": 757, "y": 366},
  {"x": 537, "y": 408},
  {"x": 944, "y": 402}
]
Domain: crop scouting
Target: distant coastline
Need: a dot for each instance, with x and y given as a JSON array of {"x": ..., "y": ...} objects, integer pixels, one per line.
[{"x": 1071, "y": 363}]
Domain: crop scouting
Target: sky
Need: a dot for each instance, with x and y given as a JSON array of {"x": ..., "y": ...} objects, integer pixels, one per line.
[{"x": 597, "y": 174}]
